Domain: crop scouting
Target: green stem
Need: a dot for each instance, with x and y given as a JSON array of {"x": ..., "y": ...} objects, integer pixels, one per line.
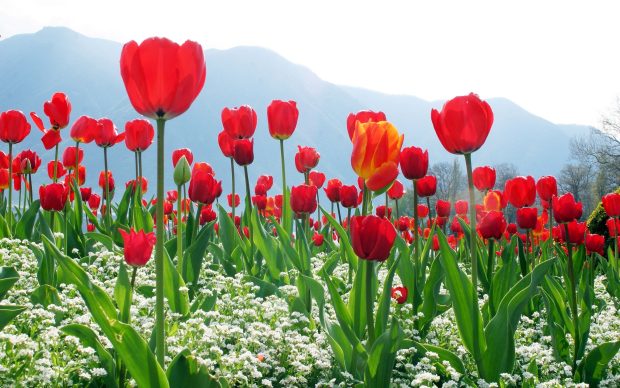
[
  {"x": 106, "y": 189},
  {"x": 284, "y": 196},
  {"x": 490, "y": 264},
  {"x": 387, "y": 208},
  {"x": 365, "y": 200},
  {"x": 9, "y": 220},
  {"x": 179, "y": 231},
  {"x": 339, "y": 216},
  {"x": 428, "y": 204},
  {"x": 30, "y": 187},
  {"x": 159, "y": 247},
  {"x": 474, "y": 259},
  {"x": 369, "y": 304},
  {"x": 415, "y": 251},
  {"x": 56, "y": 164},
  {"x": 66, "y": 236},
  {"x": 397, "y": 211},
  {"x": 573, "y": 297},
  {"x": 248, "y": 201},
  {"x": 232, "y": 174}
]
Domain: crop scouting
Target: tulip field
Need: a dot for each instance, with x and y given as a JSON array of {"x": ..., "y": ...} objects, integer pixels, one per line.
[{"x": 314, "y": 282}]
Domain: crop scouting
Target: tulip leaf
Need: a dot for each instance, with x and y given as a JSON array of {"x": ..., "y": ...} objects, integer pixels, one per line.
[
  {"x": 284, "y": 242},
  {"x": 129, "y": 345},
  {"x": 8, "y": 277},
  {"x": 122, "y": 211},
  {"x": 345, "y": 243},
  {"x": 78, "y": 206},
  {"x": 8, "y": 312},
  {"x": 431, "y": 306},
  {"x": 383, "y": 309},
  {"x": 4, "y": 228},
  {"x": 89, "y": 338},
  {"x": 104, "y": 239},
  {"x": 382, "y": 356},
  {"x": 122, "y": 292},
  {"x": 193, "y": 257},
  {"x": 25, "y": 225},
  {"x": 266, "y": 246},
  {"x": 174, "y": 287},
  {"x": 45, "y": 295},
  {"x": 592, "y": 367},
  {"x": 186, "y": 371},
  {"x": 46, "y": 274}
]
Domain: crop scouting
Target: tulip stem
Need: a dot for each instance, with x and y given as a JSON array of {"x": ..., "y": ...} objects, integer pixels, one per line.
[
  {"x": 339, "y": 216},
  {"x": 573, "y": 297},
  {"x": 474, "y": 260},
  {"x": 490, "y": 273},
  {"x": 365, "y": 200},
  {"x": 159, "y": 247},
  {"x": 397, "y": 211},
  {"x": 30, "y": 186},
  {"x": 179, "y": 231},
  {"x": 428, "y": 204},
  {"x": 56, "y": 164},
  {"x": 387, "y": 207},
  {"x": 232, "y": 174},
  {"x": 10, "y": 217},
  {"x": 248, "y": 203},
  {"x": 369, "y": 304},
  {"x": 285, "y": 208},
  {"x": 106, "y": 189},
  {"x": 416, "y": 251}
]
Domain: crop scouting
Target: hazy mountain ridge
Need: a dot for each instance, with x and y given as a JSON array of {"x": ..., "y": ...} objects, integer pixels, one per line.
[{"x": 33, "y": 66}]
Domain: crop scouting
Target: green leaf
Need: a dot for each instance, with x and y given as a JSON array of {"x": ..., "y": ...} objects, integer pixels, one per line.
[
  {"x": 357, "y": 297},
  {"x": 46, "y": 274},
  {"x": 130, "y": 346},
  {"x": 193, "y": 257},
  {"x": 443, "y": 354},
  {"x": 178, "y": 299},
  {"x": 4, "y": 228},
  {"x": 345, "y": 243},
  {"x": 122, "y": 211},
  {"x": 89, "y": 338},
  {"x": 500, "y": 331},
  {"x": 383, "y": 309},
  {"x": 285, "y": 244},
  {"x": 266, "y": 245},
  {"x": 186, "y": 371},
  {"x": 382, "y": 356},
  {"x": 25, "y": 225},
  {"x": 8, "y": 312},
  {"x": 592, "y": 367},
  {"x": 122, "y": 292},
  {"x": 45, "y": 295},
  {"x": 431, "y": 306},
  {"x": 104, "y": 239},
  {"x": 8, "y": 277},
  {"x": 265, "y": 288}
]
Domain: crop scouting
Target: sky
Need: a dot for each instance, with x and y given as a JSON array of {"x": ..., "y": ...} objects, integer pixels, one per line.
[{"x": 557, "y": 59}]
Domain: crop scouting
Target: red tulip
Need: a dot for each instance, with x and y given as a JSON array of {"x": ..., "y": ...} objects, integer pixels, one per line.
[
  {"x": 521, "y": 191},
  {"x": 317, "y": 239},
  {"x": 60, "y": 169},
  {"x": 348, "y": 196},
  {"x": 202, "y": 186},
  {"x": 565, "y": 209},
  {"x": 463, "y": 124},
  {"x": 177, "y": 154},
  {"x": 237, "y": 201},
  {"x": 110, "y": 181},
  {"x": 511, "y": 228},
  {"x": 461, "y": 207},
  {"x": 94, "y": 201},
  {"x": 70, "y": 178},
  {"x": 139, "y": 135},
  {"x": 29, "y": 162},
  {"x": 266, "y": 181},
  {"x": 363, "y": 116},
  {"x": 613, "y": 226},
  {"x": 69, "y": 159},
  {"x": 303, "y": 199},
  {"x": 380, "y": 211},
  {"x": 396, "y": 191},
  {"x": 13, "y": 126},
  {"x": 226, "y": 143},
  {"x": 58, "y": 109},
  {"x": 306, "y": 159},
  {"x": 84, "y": 129},
  {"x": 106, "y": 134},
  {"x": 422, "y": 210},
  {"x": 332, "y": 190},
  {"x": 576, "y": 232},
  {"x": 484, "y": 178},
  {"x": 53, "y": 196},
  {"x": 282, "y": 118},
  {"x": 402, "y": 224},
  {"x": 4, "y": 179},
  {"x": 144, "y": 185},
  {"x": 243, "y": 151},
  {"x": 85, "y": 193},
  {"x": 400, "y": 294},
  {"x": 611, "y": 203},
  {"x": 372, "y": 237},
  {"x": 547, "y": 188},
  {"x": 426, "y": 186},
  {"x": 161, "y": 77},
  {"x": 413, "y": 162},
  {"x": 316, "y": 179},
  {"x": 260, "y": 201},
  {"x": 492, "y": 225},
  {"x": 137, "y": 247},
  {"x": 443, "y": 208},
  {"x": 4, "y": 160},
  {"x": 239, "y": 123},
  {"x": 527, "y": 217},
  {"x": 207, "y": 215},
  {"x": 595, "y": 243}
]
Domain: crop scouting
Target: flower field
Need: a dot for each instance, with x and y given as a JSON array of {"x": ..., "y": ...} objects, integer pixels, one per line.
[{"x": 314, "y": 283}]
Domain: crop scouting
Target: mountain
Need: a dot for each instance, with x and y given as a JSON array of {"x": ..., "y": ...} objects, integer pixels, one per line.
[{"x": 34, "y": 66}]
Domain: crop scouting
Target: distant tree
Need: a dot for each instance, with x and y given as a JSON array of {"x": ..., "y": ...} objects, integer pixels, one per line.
[
  {"x": 503, "y": 172},
  {"x": 578, "y": 179},
  {"x": 451, "y": 180}
]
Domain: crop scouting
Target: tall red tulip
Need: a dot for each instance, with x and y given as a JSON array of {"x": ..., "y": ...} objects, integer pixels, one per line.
[
  {"x": 527, "y": 217},
  {"x": 58, "y": 110},
  {"x": 521, "y": 191},
  {"x": 84, "y": 130},
  {"x": 463, "y": 124},
  {"x": 332, "y": 190},
  {"x": 484, "y": 178},
  {"x": 413, "y": 162},
  {"x": 547, "y": 188},
  {"x": 239, "y": 122},
  {"x": 71, "y": 157},
  {"x": 243, "y": 151},
  {"x": 303, "y": 199},
  {"x": 14, "y": 127},
  {"x": 372, "y": 237},
  {"x": 137, "y": 247},
  {"x": 107, "y": 134},
  {"x": 426, "y": 186},
  {"x": 53, "y": 196},
  {"x": 611, "y": 204},
  {"x": 492, "y": 225},
  {"x": 566, "y": 209},
  {"x": 282, "y": 118},
  {"x": 396, "y": 191},
  {"x": 139, "y": 135},
  {"x": 306, "y": 159},
  {"x": 202, "y": 186}
]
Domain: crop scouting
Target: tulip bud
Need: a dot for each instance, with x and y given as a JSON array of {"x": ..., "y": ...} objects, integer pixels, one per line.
[{"x": 182, "y": 171}]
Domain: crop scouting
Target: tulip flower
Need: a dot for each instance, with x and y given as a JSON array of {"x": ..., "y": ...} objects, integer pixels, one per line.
[
  {"x": 106, "y": 181},
  {"x": 178, "y": 153},
  {"x": 266, "y": 181},
  {"x": 207, "y": 215},
  {"x": 375, "y": 156},
  {"x": 202, "y": 186},
  {"x": 317, "y": 239},
  {"x": 520, "y": 191},
  {"x": 316, "y": 178},
  {"x": 137, "y": 246},
  {"x": 527, "y": 217},
  {"x": 239, "y": 122},
  {"x": 94, "y": 201},
  {"x": 348, "y": 196},
  {"x": 383, "y": 212},
  {"x": 423, "y": 211},
  {"x": 303, "y": 199},
  {"x": 243, "y": 151},
  {"x": 595, "y": 243},
  {"x": 461, "y": 207},
  {"x": 85, "y": 193},
  {"x": 399, "y": 294},
  {"x": 443, "y": 208},
  {"x": 372, "y": 237},
  {"x": 53, "y": 196},
  {"x": 71, "y": 157},
  {"x": 27, "y": 162},
  {"x": 259, "y": 201},
  {"x": 234, "y": 203},
  {"x": 413, "y": 162},
  {"x": 492, "y": 225},
  {"x": 139, "y": 135},
  {"x": 84, "y": 129},
  {"x": 282, "y": 118},
  {"x": 566, "y": 209},
  {"x": 484, "y": 178},
  {"x": 397, "y": 191},
  {"x": 332, "y": 190},
  {"x": 547, "y": 188},
  {"x": 306, "y": 159},
  {"x": 58, "y": 110},
  {"x": 611, "y": 204},
  {"x": 364, "y": 116},
  {"x": 426, "y": 186}
]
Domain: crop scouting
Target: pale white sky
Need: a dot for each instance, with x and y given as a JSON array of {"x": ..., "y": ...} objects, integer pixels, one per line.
[{"x": 558, "y": 59}]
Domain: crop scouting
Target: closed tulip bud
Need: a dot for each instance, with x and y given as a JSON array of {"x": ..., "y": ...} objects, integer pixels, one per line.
[
  {"x": 521, "y": 191},
  {"x": 71, "y": 157},
  {"x": 461, "y": 207},
  {"x": 484, "y": 178},
  {"x": 85, "y": 193},
  {"x": 492, "y": 225},
  {"x": 179, "y": 153},
  {"x": 94, "y": 201},
  {"x": 239, "y": 122},
  {"x": 306, "y": 159},
  {"x": 372, "y": 237},
  {"x": 332, "y": 190},
  {"x": 316, "y": 179},
  {"x": 137, "y": 247},
  {"x": 303, "y": 199},
  {"x": 14, "y": 127},
  {"x": 282, "y": 118},
  {"x": 611, "y": 204},
  {"x": 463, "y": 124},
  {"x": 511, "y": 228},
  {"x": 234, "y": 203},
  {"x": 400, "y": 294},
  {"x": 426, "y": 186},
  {"x": 566, "y": 209},
  {"x": 443, "y": 208},
  {"x": 202, "y": 186},
  {"x": 547, "y": 188},
  {"x": 53, "y": 196},
  {"x": 243, "y": 151},
  {"x": 413, "y": 162},
  {"x": 364, "y": 116},
  {"x": 139, "y": 135},
  {"x": 182, "y": 172},
  {"x": 348, "y": 196},
  {"x": 527, "y": 217},
  {"x": 396, "y": 191}
]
